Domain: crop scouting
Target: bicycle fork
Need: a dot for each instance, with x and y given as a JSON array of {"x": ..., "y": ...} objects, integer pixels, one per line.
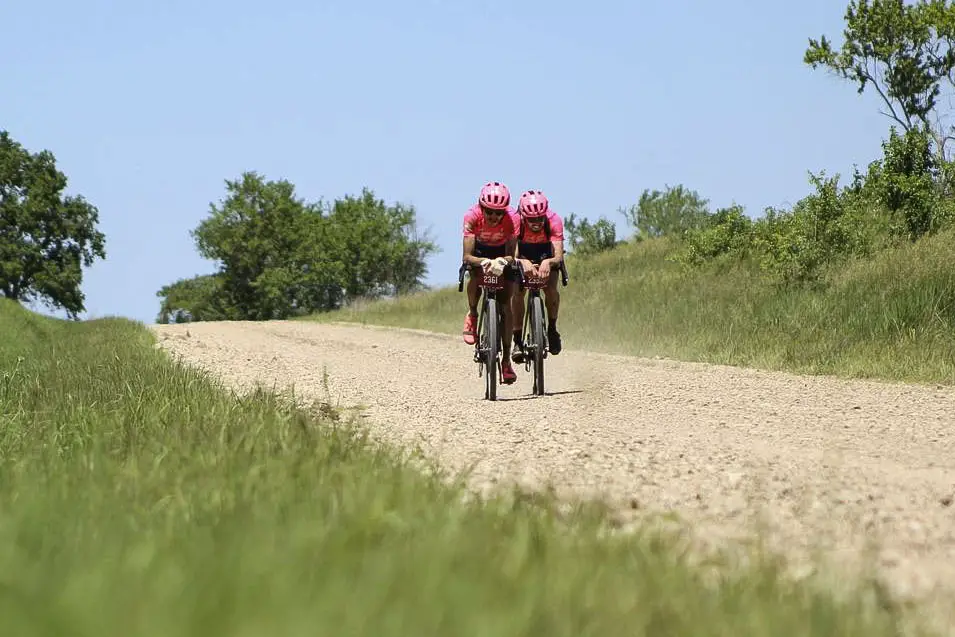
[
  {"x": 481, "y": 351},
  {"x": 526, "y": 332}
]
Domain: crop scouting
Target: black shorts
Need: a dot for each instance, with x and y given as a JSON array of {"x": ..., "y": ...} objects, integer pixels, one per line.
[
  {"x": 483, "y": 251},
  {"x": 535, "y": 252}
]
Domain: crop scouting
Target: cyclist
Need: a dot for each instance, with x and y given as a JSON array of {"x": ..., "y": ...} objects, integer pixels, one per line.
[
  {"x": 540, "y": 251},
  {"x": 490, "y": 243}
]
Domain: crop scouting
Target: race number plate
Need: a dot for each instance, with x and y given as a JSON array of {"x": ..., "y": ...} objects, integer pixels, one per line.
[{"x": 489, "y": 279}]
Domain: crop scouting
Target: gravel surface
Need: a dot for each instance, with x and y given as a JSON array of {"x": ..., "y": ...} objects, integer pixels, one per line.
[{"x": 840, "y": 466}]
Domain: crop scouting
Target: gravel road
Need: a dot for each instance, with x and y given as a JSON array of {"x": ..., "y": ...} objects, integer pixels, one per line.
[{"x": 821, "y": 462}]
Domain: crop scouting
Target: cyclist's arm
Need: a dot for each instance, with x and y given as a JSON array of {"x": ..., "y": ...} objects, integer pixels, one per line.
[
  {"x": 558, "y": 252},
  {"x": 467, "y": 254},
  {"x": 510, "y": 250},
  {"x": 557, "y": 240}
]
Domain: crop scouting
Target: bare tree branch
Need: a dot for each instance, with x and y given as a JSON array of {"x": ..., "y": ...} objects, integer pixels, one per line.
[{"x": 869, "y": 77}]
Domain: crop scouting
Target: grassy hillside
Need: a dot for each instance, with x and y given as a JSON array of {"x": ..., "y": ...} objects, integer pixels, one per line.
[
  {"x": 890, "y": 317},
  {"x": 138, "y": 498}
]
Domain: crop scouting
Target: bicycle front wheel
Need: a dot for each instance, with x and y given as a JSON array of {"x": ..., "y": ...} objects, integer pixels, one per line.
[
  {"x": 537, "y": 343},
  {"x": 491, "y": 346}
]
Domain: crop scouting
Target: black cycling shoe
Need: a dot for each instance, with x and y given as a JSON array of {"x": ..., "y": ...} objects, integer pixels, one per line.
[
  {"x": 517, "y": 351},
  {"x": 553, "y": 341}
]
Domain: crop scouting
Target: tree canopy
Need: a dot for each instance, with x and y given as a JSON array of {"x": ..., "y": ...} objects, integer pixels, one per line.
[
  {"x": 670, "y": 212},
  {"x": 46, "y": 238},
  {"x": 280, "y": 256},
  {"x": 905, "y": 53}
]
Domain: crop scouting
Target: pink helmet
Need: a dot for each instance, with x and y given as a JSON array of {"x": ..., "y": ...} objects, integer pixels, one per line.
[
  {"x": 533, "y": 203},
  {"x": 495, "y": 195}
]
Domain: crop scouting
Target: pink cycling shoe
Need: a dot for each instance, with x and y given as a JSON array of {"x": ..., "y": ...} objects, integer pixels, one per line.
[
  {"x": 507, "y": 372},
  {"x": 470, "y": 326}
]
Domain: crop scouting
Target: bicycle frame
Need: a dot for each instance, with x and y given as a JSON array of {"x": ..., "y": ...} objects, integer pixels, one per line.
[
  {"x": 488, "y": 345},
  {"x": 534, "y": 329}
]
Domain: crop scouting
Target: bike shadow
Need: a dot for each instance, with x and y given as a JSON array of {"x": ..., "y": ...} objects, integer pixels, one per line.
[{"x": 546, "y": 394}]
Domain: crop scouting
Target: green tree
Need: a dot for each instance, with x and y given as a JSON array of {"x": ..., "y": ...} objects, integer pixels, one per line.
[
  {"x": 264, "y": 239},
  {"x": 379, "y": 247},
  {"x": 198, "y": 298},
  {"x": 800, "y": 245},
  {"x": 280, "y": 256},
  {"x": 727, "y": 235},
  {"x": 670, "y": 212},
  {"x": 823, "y": 229},
  {"x": 905, "y": 182},
  {"x": 584, "y": 237},
  {"x": 46, "y": 238},
  {"x": 905, "y": 53}
]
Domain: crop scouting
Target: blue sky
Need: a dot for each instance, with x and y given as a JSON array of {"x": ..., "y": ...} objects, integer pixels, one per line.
[{"x": 149, "y": 107}]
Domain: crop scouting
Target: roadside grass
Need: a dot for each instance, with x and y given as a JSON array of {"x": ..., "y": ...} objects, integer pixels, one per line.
[
  {"x": 139, "y": 497},
  {"x": 890, "y": 317}
]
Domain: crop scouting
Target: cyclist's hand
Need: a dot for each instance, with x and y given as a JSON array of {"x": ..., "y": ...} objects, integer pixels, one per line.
[
  {"x": 529, "y": 267},
  {"x": 544, "y": 269},
  {"x": 485, "y": 264},
  {"x": 498, "y": 265}
]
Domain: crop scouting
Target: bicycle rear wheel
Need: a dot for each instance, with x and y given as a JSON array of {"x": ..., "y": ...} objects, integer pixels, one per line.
[{"x": 537, "y": 343}]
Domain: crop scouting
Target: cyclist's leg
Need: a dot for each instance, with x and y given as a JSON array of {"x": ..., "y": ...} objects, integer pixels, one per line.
[
  {"x": 507, "y": 371},
  {"x": 474, "y": 296},
  {"x": 552, "y": 303},
  {"x": 504, "y": 305},
  {"x": 518, "y": 299},
  {"x": 518, "y": 295},
  {"x": 507, "y": 294},
  {"x": 552, "y": 296},
  {"x": 517, "y": 309},
  {"x": 470, "y": 319}
]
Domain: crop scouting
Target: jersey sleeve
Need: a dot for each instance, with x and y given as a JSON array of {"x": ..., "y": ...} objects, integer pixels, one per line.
[
  {"x": 556, "y": 228},
  {"x": 469, "y": 225}
]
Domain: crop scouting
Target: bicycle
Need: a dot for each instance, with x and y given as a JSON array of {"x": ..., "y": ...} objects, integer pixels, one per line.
[
  {"x": 534, "y": 330},
  {"x": 487, "y": 347}
]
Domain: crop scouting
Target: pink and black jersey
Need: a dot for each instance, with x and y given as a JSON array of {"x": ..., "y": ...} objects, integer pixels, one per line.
[
  {"x": 553, "y": 221},
  {"x": 537, "y": 246},
  {"x": 475, "y": 225}
]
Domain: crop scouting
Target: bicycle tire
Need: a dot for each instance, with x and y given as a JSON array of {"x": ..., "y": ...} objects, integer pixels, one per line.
[
  {"x": 537, "y": 338},
  {"x": 493, "y": 344}
]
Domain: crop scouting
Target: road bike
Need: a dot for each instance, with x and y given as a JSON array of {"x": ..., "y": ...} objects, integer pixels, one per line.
[
  {"x": 487, "y": 346},
  {"x": 534, "y": 330}
]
